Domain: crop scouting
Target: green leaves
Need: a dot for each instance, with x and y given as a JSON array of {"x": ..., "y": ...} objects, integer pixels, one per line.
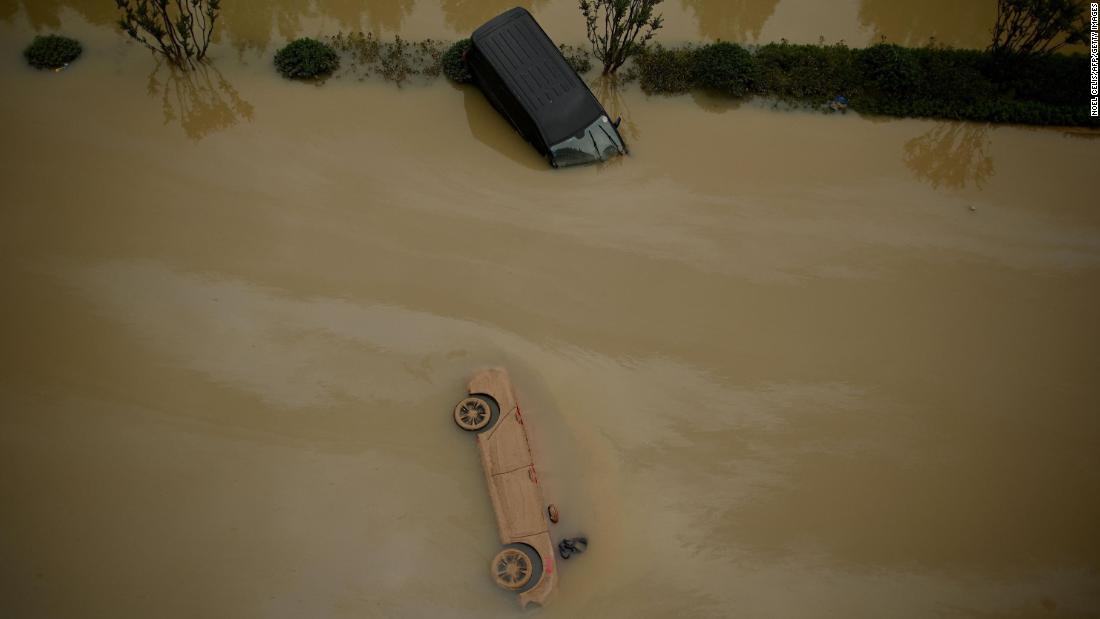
[
  {"x": 306, "y": 58},
  {"x": 725, "y": 67},
  {"x": 454, "y": 62},
  {"x": 882, "y": 79},
  {"x": 52, "y": 52},
  {"x": 619, "y": 29}
]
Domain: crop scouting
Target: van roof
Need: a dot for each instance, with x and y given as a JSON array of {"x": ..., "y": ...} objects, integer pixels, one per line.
[{"x": 533, "y": 68}]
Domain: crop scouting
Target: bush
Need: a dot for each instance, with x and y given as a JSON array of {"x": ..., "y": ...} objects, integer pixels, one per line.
[
  {"x": 663, "y": 70},
  {"x": 576, "y": 58},
  {"x": 725, "y": 67},
  {"x": 1049, "y": 79},
  {"x": 890, "y": 70},
  {"x": 454, "y": 62},
  {"x": 806, "y": 72},
  {"x": 397, "y": 62},
  {"x": 952, "y": 75},
  {"x": 306, "y": 58},
  {"x": 882, "y": 79},
  {"x": 52, "y": 52}
]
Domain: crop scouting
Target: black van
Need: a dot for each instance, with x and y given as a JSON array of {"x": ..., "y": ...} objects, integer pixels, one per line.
[{"x": 525, "y": 77}]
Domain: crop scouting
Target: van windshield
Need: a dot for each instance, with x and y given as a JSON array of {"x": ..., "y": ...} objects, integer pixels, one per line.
[{"x": 598, "y": 142}]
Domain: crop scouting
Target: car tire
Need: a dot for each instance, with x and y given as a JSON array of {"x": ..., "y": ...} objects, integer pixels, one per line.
[
  {"x": 516, "y": 568},
  {"x": 476, "y": 413}
]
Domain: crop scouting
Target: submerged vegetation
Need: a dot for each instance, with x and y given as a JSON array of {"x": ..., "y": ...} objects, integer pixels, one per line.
[
  {"x": 1017, "y": 79},
  {"x": 454, "y": 62},
  {"x": 201, "y": 101},
  {"x": 52, "y": 52},
  {"x": 179, "y": 30},
  {"x": 397, "y": 61},
  {"x": 885, "y": 79},
  {"x": 576, "y": 58},
  {"x": 306, "y": 58}
]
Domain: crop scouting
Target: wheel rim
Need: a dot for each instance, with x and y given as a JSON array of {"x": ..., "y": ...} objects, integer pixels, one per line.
[
  {"x": 512, "y": 568},
  {"x": 472, "y": 414}
]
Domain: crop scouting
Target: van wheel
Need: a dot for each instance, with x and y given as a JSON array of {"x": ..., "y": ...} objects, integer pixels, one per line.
[
  {"x": 517, "y": 567},
  {"x": 473, "y": 414}
]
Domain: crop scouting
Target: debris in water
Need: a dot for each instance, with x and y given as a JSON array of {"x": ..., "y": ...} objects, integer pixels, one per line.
[{"x": 572, "y": 546}]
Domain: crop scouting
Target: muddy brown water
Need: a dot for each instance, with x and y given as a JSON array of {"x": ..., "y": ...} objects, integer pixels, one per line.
[{"x": 775, "y": 364}]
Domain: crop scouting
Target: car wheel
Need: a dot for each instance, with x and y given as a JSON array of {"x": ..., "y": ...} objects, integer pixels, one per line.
[
  {"x": 473, "y": 414},
  {"x": 517, "y": 568}
]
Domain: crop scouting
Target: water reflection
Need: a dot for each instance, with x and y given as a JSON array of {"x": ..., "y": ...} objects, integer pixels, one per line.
[
  {"x": 951, "y": 22},
  {"x": 731, "y": 19},
  {"x": 492, "y": 130},
  {"x": 610, "y": 93},
  {"x": 384, "y": 14},
  {"x": 950, "y": 155},
  {"x": 1082, "y": 133},
  {"x": 715, "y": 103},
  {"x": 202, "y": 101},
  {"x": 248, "y": 23},
  {"x": 466, "y": 15},
  {"x": 47, "y": 13}
]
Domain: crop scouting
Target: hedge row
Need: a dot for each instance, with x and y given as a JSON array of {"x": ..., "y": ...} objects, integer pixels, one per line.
[{"x": 883, "y": 79}]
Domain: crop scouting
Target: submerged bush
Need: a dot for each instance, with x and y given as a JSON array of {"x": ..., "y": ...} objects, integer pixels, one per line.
[
  {"x": 52, "y": 52},
  {"x": 665, "y": 70},
  {"x": 882, "y": 79},
  {"x": 454, "y": 62},
  {"x": 801, "y": 72},
  {"x": 396, "y": 62},
  {"x": 890, "y": 69},
  {"x": 306, "y": 58},
  {"x": 576, "y": 58},
  {"x": 726, "y": 67}
]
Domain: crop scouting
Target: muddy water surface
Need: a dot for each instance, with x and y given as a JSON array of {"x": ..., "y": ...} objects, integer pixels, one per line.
[{"x": 775, "y": 364}]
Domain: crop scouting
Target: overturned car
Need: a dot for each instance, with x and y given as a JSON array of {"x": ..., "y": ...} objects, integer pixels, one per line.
[{"x": 526, "y": 78}]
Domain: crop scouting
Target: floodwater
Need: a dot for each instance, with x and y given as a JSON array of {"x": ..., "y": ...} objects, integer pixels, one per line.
[{"x": 775, "y": 364}]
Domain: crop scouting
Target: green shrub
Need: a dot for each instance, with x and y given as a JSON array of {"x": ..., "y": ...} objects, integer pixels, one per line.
[
  {"x": 576, "y": 58},
  {"x": 725, "y": 67},
  {"x": 52, "y": 52},
  {"x": 663, "y": 70},
  {"x": 890, "y": 70},
  {"x": 397, "y": 62},
  {"x": 306, "y": 58},
  {"x": 883, "y": 79},
  {"x": 952, "y": 75},
  {"x": 454, "y": 62},
  {"x": 1050, "y": 79},
  {"x": 806, "y": 72}
]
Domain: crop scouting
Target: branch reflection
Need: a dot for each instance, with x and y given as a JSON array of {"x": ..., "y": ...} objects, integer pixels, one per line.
[
  {"x": 202, "y": 101},
  {"x": 950, "y": 155},
  {"x": 609, "y": 90}
]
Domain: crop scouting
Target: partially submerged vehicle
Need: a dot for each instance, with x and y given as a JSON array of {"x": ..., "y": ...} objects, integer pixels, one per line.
[
  {"x": 526, "y": 78},
  {"x": 525, "y": 563}
]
